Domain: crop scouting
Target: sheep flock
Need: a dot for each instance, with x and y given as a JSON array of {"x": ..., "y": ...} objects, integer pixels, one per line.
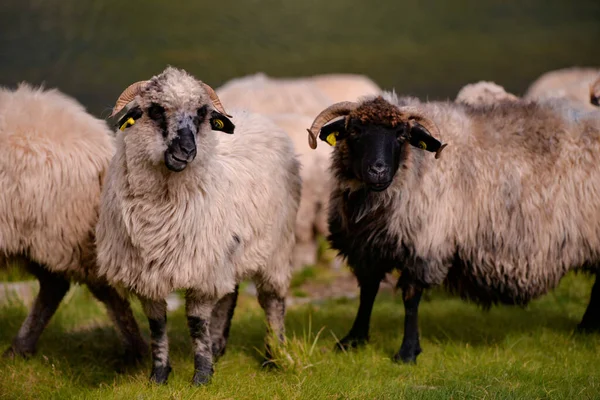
[{"x": 491, "y": 195}]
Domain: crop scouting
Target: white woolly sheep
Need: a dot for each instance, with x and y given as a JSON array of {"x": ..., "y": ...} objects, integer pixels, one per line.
[
  {"x": 279, "y": 98},
  {"x": 53, "y": 156},
  {"x": 289, "y": 103},
  {"x": 187, "y": 208},
  {"x": 502, "y": 217},
  {"x": 483, "y": 93},
  {"x": 571, "y": 84},
  {"x": 345, "y": 87},
  {"x": 314, "y": 202},
  {"x": 265, "y": 95},
  {"x": 305, "y": 95}
]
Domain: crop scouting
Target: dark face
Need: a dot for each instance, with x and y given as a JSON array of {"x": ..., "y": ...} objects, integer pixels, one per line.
[
  {"x": 375, "y": 154},
  {"x": 372, "y": 152}
]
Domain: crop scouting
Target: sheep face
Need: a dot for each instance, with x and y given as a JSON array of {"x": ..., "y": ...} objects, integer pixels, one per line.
[
  {"x": 173, "y": 116},
  {"x": 371, "y": 139},
  {"x": 373, "y": 152}
]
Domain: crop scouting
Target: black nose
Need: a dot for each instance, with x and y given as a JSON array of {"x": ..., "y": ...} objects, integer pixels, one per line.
[
  {"x": 377, "y": 168},
  {"x": 595, "y": 101},
  {"x": 187, "y": 144}
]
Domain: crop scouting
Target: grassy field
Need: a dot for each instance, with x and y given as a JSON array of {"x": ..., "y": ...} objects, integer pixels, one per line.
[{"x": 467, "y": 353}]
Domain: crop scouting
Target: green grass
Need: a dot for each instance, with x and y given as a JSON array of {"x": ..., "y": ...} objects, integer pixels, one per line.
[
  {"x": 505, "y": 353},
  {"x": 14, "y": 273}
]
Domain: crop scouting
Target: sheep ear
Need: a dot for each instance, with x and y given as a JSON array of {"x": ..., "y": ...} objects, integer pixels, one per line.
[
  {"x": 130, "y": 117},
  {"x": 219, "y": 122},
  {"x": 421, "y": 138},
  {"x": 332, "y": 132}
]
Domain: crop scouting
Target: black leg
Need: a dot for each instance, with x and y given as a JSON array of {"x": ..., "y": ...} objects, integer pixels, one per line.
[
  {"x": 274, "y": 308},
  {"x": 199, "y": 312},
  {"x": 221, "y": 322},
  {"x": 591, "y": 319},
  {"x": 156, "y": 311},
  {"x": 53, "y": 288},
  {"x": 359, "y": 333},
  {"x": 120, "y": 313},
  {"x": 410, "y": 349}
]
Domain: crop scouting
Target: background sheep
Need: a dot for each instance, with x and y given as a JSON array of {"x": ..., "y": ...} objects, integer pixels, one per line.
[
  {"x": 344, "y": 87},
  {"x": 495, "y": 220},
  {"x": 572, "y": 84},
  {"x": 262, "y": 94},
  {"x": 53, "y": 156},
  {"x": 289, "y": 102},
  {"x": 188, "y": 208},
  {"x": 316, "y": 186},
  {"x": 483, "y": 93}
]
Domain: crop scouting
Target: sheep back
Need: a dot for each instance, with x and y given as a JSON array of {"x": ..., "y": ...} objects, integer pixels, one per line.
[
  {"x": 53, "y": 156},
  {"x": 571, "y": 84}
]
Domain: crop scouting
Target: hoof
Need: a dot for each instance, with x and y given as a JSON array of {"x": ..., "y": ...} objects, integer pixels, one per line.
[
  {"x": 201, "y": 378},
  {"x": 134, "y": 357},
  {"x": 350, "y": 342},
  {"x": 14, "y": 352},
  {"x": 407, "y": 355},
  {"x": 160, "y": 374},
  {"x": 269, "y": 364},
  {"x": 218, "y": 348},
  {"x": 587, "y": 328}
]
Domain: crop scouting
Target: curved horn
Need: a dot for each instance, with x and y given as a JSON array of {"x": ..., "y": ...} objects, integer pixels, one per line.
[
  {"x": 215, "y": 99},
  {"x": 413, "y": 113},
  {"x": 331, "y": 112},
  {"x": 127, "y": 96}
]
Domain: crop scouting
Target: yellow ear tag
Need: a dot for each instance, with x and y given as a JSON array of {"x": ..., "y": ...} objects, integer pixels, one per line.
[
  {"x": 422, "y": 145},
  {"x": 127, "y": 124},
  {"x": 218, "y": 123},
  {"x": 331, "y": 138}
]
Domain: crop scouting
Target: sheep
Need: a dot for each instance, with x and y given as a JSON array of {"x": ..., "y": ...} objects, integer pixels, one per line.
[
  {"x": 262, "y": 94},
  {"x": 595, "y": 92},
  {"x": 345, "y": 87},
  {"x": 508, "y": 210},
  {"x": 314, "y": 202},
  {"x": 288, "y": 102},
  {"x": 306, "y": 95},
  {"x": 53, "y": 156},
  {"x": 483, "y": 93},
  {"x": 571, "y": 84},
  {"x": 187, "y": 208}
]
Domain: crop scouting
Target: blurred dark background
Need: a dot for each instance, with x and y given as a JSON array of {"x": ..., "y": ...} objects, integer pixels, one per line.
[{"x": 94, "y": 49}]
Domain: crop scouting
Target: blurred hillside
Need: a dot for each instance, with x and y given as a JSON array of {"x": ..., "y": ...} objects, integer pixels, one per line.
[{"x": 92, "y": 50}]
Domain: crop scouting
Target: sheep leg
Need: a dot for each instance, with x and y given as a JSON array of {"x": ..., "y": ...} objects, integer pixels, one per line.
[
  {"x": 591, "y": 319},
  {"x": 274, "y": 307},
  {"x": 119, "y": 311},
  {"x": 359, "y": 333},
  {"x": 53, "y": 288},
  {"x": 199, "y": 310},
  {"x": 221, "y": 322},
  {"x": 156, "y": 312},
  {"x": 410, "y": 348}
]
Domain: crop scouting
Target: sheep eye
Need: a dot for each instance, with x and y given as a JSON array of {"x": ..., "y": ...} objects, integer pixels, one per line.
[
  {"x": 200, "y": 115},
  {"x": 202, "y": 112},
  {"x": 156, "y": 112}
]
